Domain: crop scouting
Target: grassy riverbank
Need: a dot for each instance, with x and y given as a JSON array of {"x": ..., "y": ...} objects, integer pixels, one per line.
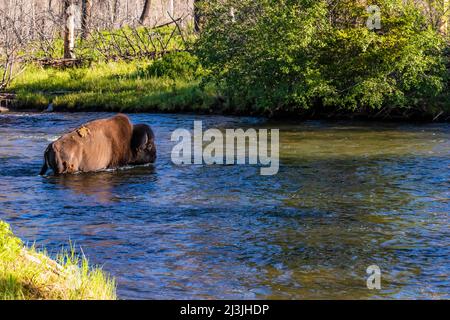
[
  {"x": 321, "y": 62},
  {"x": 26, "y": 273},
  {"x": 178, "y": 83},
  {"x": 113, "y": 86},
  {"x": 128, "y": 87}
]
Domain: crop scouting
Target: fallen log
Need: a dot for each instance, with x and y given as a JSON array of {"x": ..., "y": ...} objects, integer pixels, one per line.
[
  {"x": 60, "y": 63},
  {"x": 5, "y": 100},
  {"x": 7, "y": 96}
]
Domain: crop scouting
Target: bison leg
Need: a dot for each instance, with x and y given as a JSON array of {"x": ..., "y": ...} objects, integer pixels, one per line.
[
  {"x": 44, "y": 169},
  {"x": 45, "y": 165}
]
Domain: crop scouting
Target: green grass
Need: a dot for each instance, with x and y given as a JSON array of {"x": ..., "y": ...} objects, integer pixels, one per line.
[
  {"x": 110, "y": 86},
  {"x": 26, "y": 273}
]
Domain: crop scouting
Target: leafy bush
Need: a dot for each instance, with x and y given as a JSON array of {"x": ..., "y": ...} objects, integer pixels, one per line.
[
  {"x": 175, "y": 65},
  {"x": 288, "y": 55},
  {"x": 402, "y": 65}
]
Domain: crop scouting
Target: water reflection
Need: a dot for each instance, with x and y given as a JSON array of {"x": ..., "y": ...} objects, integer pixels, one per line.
[{"x": 103, "y": 186}]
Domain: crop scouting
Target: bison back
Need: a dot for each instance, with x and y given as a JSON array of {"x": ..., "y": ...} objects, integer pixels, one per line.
[{"x": 97, "y": 145}]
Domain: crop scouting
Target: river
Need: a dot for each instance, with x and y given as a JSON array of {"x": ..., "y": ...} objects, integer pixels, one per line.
[{"x": 348, "y": 195}]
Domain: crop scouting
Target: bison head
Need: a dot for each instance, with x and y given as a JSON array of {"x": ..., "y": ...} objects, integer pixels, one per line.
[{"x": 143, "y": 144}]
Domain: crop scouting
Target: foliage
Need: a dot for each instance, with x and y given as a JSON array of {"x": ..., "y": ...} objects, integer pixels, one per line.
[
  {"x": 287, "y": 56},
  {"x": 259, "y": 57},
  {"x": 113, "y": 86},
  {"x": 175, "y": 65}
]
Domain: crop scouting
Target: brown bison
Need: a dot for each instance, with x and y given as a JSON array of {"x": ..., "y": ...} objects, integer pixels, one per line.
[{"x": 101, "y": 144}]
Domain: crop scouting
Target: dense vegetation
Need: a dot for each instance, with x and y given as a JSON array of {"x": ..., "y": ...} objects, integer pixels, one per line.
[
  {"x": 111, "y": 86},
  {"x": 288, "y": 56},
  {"x": 296, "y": 57},
  {"x": 28, "y": 274}
]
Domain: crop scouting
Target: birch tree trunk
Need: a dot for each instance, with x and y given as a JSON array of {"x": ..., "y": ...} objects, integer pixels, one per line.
[{"x": 171, "y": 8}]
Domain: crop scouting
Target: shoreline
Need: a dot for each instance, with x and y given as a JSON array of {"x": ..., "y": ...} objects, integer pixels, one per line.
[
  {"x": 304, "y": 116},
  {"x": 30, "y": 274},
  {"x": 134, "y": 87}
]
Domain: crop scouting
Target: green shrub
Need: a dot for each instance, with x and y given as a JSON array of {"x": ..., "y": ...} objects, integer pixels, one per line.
[
  {"x": 290, "y": 55},
  {"x": 175, "y": 65}
]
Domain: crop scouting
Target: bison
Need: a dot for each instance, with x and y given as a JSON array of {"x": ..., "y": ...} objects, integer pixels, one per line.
[{"x": 101, "y": 144}]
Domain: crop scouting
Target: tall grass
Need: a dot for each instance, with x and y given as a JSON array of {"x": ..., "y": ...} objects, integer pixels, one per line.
[
  {"x": 112, "y": 86},
  {"x": 26, "y": 273}
]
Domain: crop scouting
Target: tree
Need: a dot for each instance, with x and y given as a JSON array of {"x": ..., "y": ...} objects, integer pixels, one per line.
[
  {"x": 14, "y": 41},
  {"x": 444, "y": 19},
  {"x": 197, "y": 15},
  {"x": 69, "y": 29},
  {"x": 145, "y": 11},
  {"x": 86, "y": 7},
  {"x": 312, "y": 61},
  {"x": 436, "y": 12},
  {"x": 171, "y": 8}
]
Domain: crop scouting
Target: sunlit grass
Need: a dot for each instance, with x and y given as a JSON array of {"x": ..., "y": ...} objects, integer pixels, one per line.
[
  {"x": 26, "y": 273},
  {"x": 113, "y": 86}
]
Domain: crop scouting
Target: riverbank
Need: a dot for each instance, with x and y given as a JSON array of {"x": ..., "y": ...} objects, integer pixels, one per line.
[
  {"x": 114, "y": 86},
  {"x": 133, "y": 87},
  {"x": 26, "y": 273}
]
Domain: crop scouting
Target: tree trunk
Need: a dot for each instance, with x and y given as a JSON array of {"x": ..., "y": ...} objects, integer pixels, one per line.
[
  {"x": 116, "y": 12},
  {"x": 443, "y": 24},
  {"x": 196, "y": 16},
  {"x": 69, "y": 29},
  {"x": 171, "y": 8},
  {"x": 86, "y": 7},
  {"x": 145, "y": 12},
  {"x": 233, "y": 16}
]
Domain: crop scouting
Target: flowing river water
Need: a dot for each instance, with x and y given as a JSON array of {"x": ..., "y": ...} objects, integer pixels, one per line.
[{"x": 348, "y": 195}]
